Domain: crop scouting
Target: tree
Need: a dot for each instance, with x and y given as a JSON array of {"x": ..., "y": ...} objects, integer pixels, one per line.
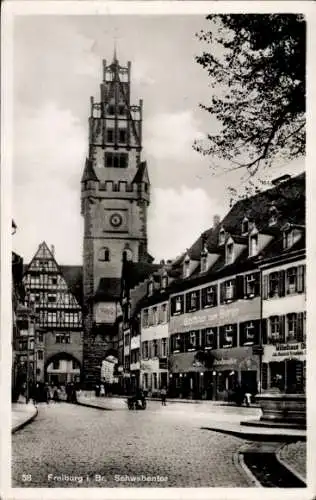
[{"x": 256, "y": 66}]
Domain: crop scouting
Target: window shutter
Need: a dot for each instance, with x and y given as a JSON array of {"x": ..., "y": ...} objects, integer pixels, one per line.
[
  {"x": 300, "y": 279},
  {"x": 300, "y": 319},
  {"x": 265, "y": 286},
  {"x": 281, "y": 283},
  {"x": 257, "y": 284},
  {"x": 234, "y": 335},
  {"x": 222, "y": 292},
  {"x": 282, "y": 328},
  {"x": 221, "y": 336},
  {"x": 203, "y": 291},
  {"x": 215, "y": 295},
  {"x": 239, "y": 287}
]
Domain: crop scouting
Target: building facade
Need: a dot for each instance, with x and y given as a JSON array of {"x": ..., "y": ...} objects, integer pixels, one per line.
[
  {"x": 58, "y": 337},
  {"x": 236, "y": 302},
  {"x": 115, "y": 194}
]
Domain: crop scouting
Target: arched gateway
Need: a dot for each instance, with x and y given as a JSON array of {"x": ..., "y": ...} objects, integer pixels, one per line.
[{"x": 62, "y": 368}]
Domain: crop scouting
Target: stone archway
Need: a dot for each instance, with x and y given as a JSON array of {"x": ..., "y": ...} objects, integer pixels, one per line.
[{"x": 62, "y": 368}]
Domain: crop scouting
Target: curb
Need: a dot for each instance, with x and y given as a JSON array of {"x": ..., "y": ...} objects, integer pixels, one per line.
[
  {"x": 26, "y": 422},
  {"x": 289, "y": 467},
  {"x": 238, "y": 459},
  {"x": 93, "y": 406},
  {"x": 252, "y": 436}
]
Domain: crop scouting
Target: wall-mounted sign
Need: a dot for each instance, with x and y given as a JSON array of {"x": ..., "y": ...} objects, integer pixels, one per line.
[
  {"x": 216, "y": 316},
  {"x": 280, "y": 352},
  {"x": 105, "y": 312}
]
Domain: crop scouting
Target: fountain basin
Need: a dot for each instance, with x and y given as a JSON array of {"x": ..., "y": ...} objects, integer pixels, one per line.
[{"x": 279, "y": 408}]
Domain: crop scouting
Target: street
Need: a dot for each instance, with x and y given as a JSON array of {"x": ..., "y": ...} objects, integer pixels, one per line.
[{"x": 75, "y": 446}]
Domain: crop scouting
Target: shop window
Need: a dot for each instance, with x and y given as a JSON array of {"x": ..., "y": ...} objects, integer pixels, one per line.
[
  {"x": 164, "y": 348},
  {"x": 209, "y": 296},
  {"x": 265, "y": 376}
]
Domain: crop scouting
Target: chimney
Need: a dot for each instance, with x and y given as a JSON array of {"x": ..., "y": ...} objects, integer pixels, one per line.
[
  {"x": 53, "y": 250},
  {"x": 162, "y": 262},
  {"x": 216, "y": 221}
]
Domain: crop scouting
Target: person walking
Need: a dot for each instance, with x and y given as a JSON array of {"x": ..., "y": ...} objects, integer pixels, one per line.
[{"x": 163, "y": 396}]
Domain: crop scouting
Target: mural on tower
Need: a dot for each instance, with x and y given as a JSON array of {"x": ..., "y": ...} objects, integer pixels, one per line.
[{"x": 115, "y": 194}]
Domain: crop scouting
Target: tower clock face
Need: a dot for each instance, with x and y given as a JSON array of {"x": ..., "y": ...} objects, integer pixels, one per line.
[{"x": 116, "y": 220}]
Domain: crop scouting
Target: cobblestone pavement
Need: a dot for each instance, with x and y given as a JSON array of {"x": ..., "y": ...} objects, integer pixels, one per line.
[
  {"x": 76, "y": 443},
  {"x": 294, "y": 455}
]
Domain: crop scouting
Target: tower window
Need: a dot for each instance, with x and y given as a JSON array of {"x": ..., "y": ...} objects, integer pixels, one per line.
[
  {"x": 116, "y": 160},
  {"x": 122, "y": 135},
  {"x": 104, "y": 254},
  {"x": 110, "y": 135},
  {"x": 111, "y": 110}
]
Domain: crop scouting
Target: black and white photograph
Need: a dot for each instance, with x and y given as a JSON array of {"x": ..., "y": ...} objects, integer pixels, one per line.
[{"x": 155, "y": 336}]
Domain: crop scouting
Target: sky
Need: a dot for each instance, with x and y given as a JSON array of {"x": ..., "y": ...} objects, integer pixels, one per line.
[{"x": 57, "y": 66}]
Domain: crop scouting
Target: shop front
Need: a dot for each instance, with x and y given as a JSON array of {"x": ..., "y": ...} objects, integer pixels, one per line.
[
  {"x": 232, "y": 368},
  {"x": 284, "y": 367},
  {"x": 188, "y": 377}
]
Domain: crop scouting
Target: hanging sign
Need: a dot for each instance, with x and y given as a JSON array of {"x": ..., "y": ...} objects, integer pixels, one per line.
[{"x": 105, "y": 312}]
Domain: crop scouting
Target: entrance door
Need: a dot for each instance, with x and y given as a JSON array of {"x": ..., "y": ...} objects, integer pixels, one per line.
[{"x": 249, "y": 381}]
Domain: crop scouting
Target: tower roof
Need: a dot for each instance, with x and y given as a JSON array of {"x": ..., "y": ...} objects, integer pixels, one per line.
[
  {"x": 89, "y": 173},
  {"x": 142, "y": 173}
]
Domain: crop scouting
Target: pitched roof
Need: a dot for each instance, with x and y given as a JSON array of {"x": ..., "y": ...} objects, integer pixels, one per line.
[
  {"x": 136, "y": 272},
  {"x": 88, "y": 172},
  {"x": 108, "y": 289},
  {"x": 142, "y": 173},
  {"x": 73, "y": 277}
]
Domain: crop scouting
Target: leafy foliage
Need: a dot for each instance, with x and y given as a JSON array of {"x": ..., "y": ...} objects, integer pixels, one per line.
[{"x": 256, "y": 67}]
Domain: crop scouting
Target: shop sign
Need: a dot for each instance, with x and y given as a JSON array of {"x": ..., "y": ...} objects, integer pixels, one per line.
[
  {"x": 220, "y": 315},
  {"x": 105, "y": 312},
  {"x": 280, "y": 352},
  {"x": 148, "y": 366},
  {"x": 229, "y": 361}
]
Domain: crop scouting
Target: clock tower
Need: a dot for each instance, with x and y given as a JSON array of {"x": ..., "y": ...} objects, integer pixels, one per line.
[{"x": 115, "y": 194}]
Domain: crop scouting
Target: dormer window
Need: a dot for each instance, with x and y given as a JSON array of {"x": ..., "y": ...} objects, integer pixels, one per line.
[
  {"x": 186, "y": 266},
  {"x": 273, "y": 215},
  {"x": 150, "y": 288},
  {"x": 253, "y": 245},
  {"x": 164, "y": 282},
  {"x": 288, "y": 237},
  {"x": 204, "y": 255},
  {"x": 221, "y": 236},
  {"x": 245, "y": 226},
  {"x": 230, "y": 253}
]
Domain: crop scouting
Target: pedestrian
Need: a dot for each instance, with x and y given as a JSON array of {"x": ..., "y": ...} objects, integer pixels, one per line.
[
  {"x": 102, "y": 390},
  {"x": 163, "y": 396}
]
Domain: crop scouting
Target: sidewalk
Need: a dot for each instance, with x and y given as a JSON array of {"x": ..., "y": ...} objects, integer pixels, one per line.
[
  {"x": 293, "y": 456},
  {"x": 22, "y": 414}
]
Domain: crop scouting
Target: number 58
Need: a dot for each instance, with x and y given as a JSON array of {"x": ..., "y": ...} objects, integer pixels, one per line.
[{"x": 26, "y": 477}]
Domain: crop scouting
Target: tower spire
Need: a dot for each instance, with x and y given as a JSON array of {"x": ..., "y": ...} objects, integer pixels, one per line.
[{"x": 115, "y": 50}]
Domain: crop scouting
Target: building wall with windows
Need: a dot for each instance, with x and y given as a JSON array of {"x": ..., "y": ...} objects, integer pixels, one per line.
[
  {"x": 284, "y": 325},
  {"x": 221, "y": 320},
  {"x": 154, "y": 347}
]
